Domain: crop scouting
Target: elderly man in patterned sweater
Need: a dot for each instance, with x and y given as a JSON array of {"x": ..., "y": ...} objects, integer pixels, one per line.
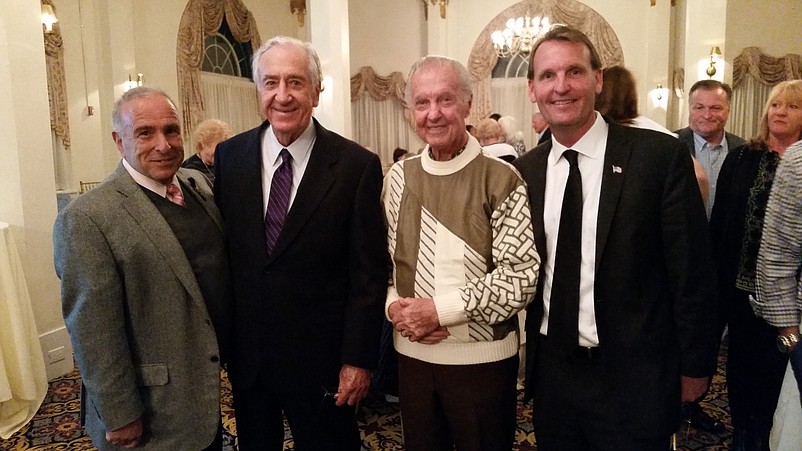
[{"x": 464, "y": 264}]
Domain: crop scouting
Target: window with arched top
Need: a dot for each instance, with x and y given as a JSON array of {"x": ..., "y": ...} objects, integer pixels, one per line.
[
  {"x": 213, "y": 65},
  {"x": 219, "y": 56},
  {"x": 513, "y": 66},
  {"x": 500, "y": 84},
  {"x": 223, "y": 54}
]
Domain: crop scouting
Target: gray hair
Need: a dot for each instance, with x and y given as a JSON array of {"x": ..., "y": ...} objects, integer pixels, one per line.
[
  {"x": 135, "y": 93},
  {"x": 315, "y": 75},
  {"x": 464, "y": 77}
]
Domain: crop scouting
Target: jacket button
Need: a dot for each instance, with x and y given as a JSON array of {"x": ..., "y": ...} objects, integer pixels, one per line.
[{"x": 214, "y": 359}]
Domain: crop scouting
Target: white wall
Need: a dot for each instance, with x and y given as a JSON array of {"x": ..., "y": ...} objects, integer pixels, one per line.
[
  {"x": 27, "y": 180},
  {"x": 773, "y": 25},
  {"x": 387, "y": 35}
]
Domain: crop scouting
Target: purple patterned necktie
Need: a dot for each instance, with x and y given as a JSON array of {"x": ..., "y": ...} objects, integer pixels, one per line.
[{"x": 279, "y": 201}]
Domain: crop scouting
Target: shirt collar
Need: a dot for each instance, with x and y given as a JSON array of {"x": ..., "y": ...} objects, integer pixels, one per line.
[
  {"x": 147, "y": 182},
  {"x": 700, "y": 142},
  {"x": 591, "y": 144},
  {"x": 299, "y": 149}
]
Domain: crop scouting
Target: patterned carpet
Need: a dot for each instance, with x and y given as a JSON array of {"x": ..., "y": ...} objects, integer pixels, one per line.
[{"x": 56, "y": 426}]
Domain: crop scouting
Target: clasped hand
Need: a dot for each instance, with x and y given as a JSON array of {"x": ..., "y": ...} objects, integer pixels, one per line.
[{"x": 416, "y": 319}]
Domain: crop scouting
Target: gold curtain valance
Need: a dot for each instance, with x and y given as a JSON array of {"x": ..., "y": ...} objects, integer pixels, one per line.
[
  {"x": 56, "y": 82},
  {"x": 483, "y": 56},
  {"x": 202, "y": 18},
  {"x": 765, "y": 68},
  {"x": 379, "y": 87}
]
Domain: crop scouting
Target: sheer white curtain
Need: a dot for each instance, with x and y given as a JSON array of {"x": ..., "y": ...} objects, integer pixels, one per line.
[
  {"x": 509, "y": 97},
  {"x": 381, "y": 126},
  {"x": 748, "y": 100},
  {"x": 230, "y": 99}
]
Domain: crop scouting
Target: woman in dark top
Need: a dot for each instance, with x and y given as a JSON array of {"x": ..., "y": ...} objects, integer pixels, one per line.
[
  {"x": 755, "y": 367},
  {"x": 207, "y": 135}
]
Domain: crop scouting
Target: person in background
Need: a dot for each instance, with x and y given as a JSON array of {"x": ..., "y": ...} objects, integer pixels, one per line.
[
  {"x": 618, "y": 100},
  {"x": 491, "y": 137},
  {"x": 619, "y": 331},
  {"x": 709, "y": 144},
  {"x": 145, "y": 289},
  {"x": 399, "y": 154},
  {"x": 464, "y": 264},
  {"x": 541, "y": 127},
  {"x": 779, "y": 290},
  {"x": 471, "y": 129},
  {"x": 308, "y": 253},
  {"x": 512, "y": 134},
  {"x": 207, "y": 135},
  {"x": 755, "y": 366}
]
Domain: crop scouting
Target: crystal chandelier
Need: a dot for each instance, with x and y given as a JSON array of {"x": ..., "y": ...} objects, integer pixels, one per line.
[{"x": 520, "y": 35}]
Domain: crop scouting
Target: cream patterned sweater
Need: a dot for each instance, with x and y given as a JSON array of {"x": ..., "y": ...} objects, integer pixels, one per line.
[{"x": 460, "y": 232}]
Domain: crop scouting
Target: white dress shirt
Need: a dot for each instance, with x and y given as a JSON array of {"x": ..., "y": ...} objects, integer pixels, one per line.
[
  {"x": 591, "y": 149},
  {"x": 299, "y": 150},
  {"x": 148, "y": 183}
]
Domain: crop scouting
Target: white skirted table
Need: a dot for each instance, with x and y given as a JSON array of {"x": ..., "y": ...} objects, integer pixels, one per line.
[{"x": 23, "y": 381}]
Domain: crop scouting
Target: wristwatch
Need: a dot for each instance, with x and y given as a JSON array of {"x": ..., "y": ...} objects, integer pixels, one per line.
[{"x": 785, "y": 343}]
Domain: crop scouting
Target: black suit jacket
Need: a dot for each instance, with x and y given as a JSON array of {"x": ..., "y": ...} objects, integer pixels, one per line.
[
  {"x": 653, "y": 283},
  {"x": 686, "y": 136},
  {"x": 316, "y": 302}
]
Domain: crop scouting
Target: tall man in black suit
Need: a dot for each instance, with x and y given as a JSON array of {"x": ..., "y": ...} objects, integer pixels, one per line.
[
  {"x": 618, "y": 333},
  {"x": 308, "y": 253}
]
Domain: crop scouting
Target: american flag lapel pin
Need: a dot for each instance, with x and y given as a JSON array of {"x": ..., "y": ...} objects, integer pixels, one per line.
[{"x": 617, "y": 169}]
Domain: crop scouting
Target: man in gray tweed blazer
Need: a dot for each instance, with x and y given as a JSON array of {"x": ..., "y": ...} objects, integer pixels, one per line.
[{"x": 145, "y": 285}]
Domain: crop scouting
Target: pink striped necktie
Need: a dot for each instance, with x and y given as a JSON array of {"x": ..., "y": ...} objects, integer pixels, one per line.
[
  {"x": 279, "y": 201},
  {"x": 174, "y": 195}
]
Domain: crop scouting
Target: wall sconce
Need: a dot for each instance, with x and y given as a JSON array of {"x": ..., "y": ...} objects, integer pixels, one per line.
[
  {"x": 48, "y": 18},
  {"x": 131, "y": 84},
  {"x": 659, "y": 91},
  {"x": 715, "y": 54}
]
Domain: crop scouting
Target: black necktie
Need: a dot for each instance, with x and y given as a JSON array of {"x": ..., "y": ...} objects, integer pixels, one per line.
[
  {"x": 564, "y": 304},
  {"x": 279, "y": 201}
]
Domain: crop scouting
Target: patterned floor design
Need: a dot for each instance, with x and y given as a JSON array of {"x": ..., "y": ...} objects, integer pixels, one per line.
[{"x": 56, "y": 426}]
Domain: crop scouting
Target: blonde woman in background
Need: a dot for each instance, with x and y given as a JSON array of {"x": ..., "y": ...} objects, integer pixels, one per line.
[
  {"x": 755, "y": 367},
  {"x": 207, "y": 135}
]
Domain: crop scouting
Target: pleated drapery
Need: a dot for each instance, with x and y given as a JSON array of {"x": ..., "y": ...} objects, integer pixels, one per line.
[{"x": 200, "y": 19}]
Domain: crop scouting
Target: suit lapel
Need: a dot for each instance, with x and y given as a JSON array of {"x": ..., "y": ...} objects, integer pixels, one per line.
[
  {"x": 249, "y": 193},
  {"x": 537, "y": 197},
  {"x": 155, "y": 227},
  {"x": 317, "y": 180},
  {"x": 198, "y": 190},
  {"x": 614, "y": 172}
]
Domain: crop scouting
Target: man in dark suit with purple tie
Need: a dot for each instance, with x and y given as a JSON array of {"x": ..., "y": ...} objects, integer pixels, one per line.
[{"x": 308, "y": 253}]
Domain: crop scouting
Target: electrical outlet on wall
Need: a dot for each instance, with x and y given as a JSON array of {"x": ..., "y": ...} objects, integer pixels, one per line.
[{"x": 56, "y": 355}]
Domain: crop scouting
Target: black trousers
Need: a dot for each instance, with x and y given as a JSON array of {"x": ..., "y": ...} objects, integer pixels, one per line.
[
  {"x": 755, "y": 369},
  {"x": 571, "y": 409},
  {"x": 315, "y": 422}
]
